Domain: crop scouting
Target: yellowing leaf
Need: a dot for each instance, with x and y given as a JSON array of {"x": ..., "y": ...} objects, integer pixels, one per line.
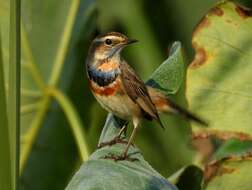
[{"x": 219, "y": 79}]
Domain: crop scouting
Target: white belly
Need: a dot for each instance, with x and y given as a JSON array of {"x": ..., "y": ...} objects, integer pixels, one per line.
[{"x": 120, "y": 105}]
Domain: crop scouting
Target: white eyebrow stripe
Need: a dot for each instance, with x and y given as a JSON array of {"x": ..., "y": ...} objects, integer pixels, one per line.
[{"x": 111, "y": 37}]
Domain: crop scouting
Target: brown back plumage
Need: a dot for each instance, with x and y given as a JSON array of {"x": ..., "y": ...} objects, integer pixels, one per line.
[{"x": 137, "y": 91}]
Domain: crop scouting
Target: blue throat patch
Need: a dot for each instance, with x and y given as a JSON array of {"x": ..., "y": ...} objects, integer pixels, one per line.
[{"x": 102, "y": 78}]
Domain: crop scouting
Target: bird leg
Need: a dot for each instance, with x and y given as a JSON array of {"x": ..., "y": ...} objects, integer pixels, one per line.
[
  {"x": 116, "y": 139},
  {"x": 125, "y": 155}
]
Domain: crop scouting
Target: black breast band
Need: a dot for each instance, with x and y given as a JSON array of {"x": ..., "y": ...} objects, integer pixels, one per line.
[{"x": 102, "y": 78}]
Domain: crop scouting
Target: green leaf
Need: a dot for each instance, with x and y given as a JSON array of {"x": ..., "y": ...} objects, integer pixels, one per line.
[
  {"x": 50, "y": 53},
  {"x": 218, "y": 86},
  {"x": 94, "y": 173},
  {"x": 38, "y": 61},
  {"x": 170, "y": 74},
  {"x": 9, "y": 95},
  {"x": 98, "y": 172},
  {"x": 233, "y": 148},
  {"x": 104, "y": 174}
]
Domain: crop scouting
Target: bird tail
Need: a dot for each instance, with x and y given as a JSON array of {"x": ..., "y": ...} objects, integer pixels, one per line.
[
  {"x": 176, "y": 109},
  {"x": 165, "y": 105}
]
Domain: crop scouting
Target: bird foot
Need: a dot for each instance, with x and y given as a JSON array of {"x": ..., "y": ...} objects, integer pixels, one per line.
[
  {"x": 120, "y": 157},
  {"x": 112, "y": 142}
]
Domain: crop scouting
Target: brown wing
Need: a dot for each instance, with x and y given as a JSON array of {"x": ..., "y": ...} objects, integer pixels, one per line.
[{"x": 137, "y": 91}]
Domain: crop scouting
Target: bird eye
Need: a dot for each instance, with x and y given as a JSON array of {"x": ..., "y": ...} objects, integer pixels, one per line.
[{"x": 108, "y": 41}]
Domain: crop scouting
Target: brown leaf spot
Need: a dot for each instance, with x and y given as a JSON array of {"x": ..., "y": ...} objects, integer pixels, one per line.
[
  {"x": 205, "y": 147},
  {"x": 244, "y": 156},
  {"x": 203, "y": 142},
  {"x": 213, "y": 169},
  {"x": 229, "y": 21},
  {"x": 204, "y": 22},
  {"x": 216, "y": 170},
  {"x": 222, "y": 135},
  {"x": 210, "y": 171},
  {"x": 243, "y": 12},
  {"x": 225, "y": 171},
  {"x": 216, "y": 11},
  {"x": 200, "y": 56},
  {"x": 232, "y": 22}
]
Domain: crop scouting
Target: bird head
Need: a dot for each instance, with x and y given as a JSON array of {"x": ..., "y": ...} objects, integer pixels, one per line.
[{"x": 109, "y": 45}]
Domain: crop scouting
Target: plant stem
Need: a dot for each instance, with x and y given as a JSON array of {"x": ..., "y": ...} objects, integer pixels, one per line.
[
  {"x": 14, "y": 84},
  {"x": 29, "y": 108},
  {"x": 30, "y": 63},
  {"x": 64, "y": 43},
  {"x": 74, "y": 121},
  {"x": 30, "y": 93}
]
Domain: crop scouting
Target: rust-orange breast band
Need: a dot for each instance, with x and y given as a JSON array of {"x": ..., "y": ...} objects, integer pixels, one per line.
[{"x": 109, "y": 90}]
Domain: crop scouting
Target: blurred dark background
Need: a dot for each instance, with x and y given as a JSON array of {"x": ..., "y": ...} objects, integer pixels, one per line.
[{"x": 156, "y": 24}]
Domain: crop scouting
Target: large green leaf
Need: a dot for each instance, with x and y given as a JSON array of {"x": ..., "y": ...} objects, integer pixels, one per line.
[
  {"x": 218, "y": 79},
  {"x": 98, "y": 172},
  {"x": 107, "y": 174},
  {"x": 49, "y": 41},
  {"x": 218, "y": 87},
  {"x": 9, "y": 60},
  {"x": 5, "y": 161}
]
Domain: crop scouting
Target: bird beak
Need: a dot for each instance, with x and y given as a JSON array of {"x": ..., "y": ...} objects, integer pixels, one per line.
[
  {"x": 125, "y": 43},
  {"x": 131, "y": 41}
]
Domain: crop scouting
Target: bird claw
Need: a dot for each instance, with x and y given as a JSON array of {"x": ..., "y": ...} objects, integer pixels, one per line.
[
  {"x": 120, "y": 157},
  {"x": 112, "y": 142}
]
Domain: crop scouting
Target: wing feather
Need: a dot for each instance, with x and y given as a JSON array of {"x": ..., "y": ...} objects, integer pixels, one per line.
[{"x": 137, "y": 91}]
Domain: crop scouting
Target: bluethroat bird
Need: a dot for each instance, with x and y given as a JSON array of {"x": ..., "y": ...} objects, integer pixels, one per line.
[{"x": 119, "y": 89}]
